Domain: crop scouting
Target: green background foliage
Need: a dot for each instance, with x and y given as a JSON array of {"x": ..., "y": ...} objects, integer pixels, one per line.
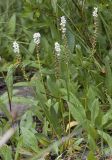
[{"x": 82, "y": 93}]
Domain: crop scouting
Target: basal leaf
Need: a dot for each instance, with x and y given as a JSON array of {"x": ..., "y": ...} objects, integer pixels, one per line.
[
  {"x": 106, "y": 137},
  {"x": 12, "y": 24},
  {"x": 6, "y": 152}
]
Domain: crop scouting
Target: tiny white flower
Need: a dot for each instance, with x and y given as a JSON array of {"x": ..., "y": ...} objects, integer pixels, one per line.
[
  {"x": 63, "y": 20},
  {"x": 15, "y": 47},
  {"x": 95, "y": 12},
  {"x": 36, "y": 38},
  {"x": 57, "y": 48},
  {"x": 63, "y": 24}
]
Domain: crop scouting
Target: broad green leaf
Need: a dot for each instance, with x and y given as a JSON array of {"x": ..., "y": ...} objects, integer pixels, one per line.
[
  {"x": 53, "y": 87},
  {"x": 91, "y": 156},
  {"x": 107, "y": 117},
  {"x": 27, "y": 121},
  {"x": 106, "y": 137},
  {"x": 53, "y": 119},
  {"x": 54, "y": 5},
  {"x": 92, "y": 143},
  {"x": 53, "y": 31},
  {"x": 91, "y": 95},
  {"x": 21, "y": 84},
  {"x": 71, "y": 41},
  {"x": 29, "y": 139},
  {"x": 12, "y": 24},
  {"x": 29, "y": 101},
  {"x": 94, "y": 110},
  {"x": 110, "y": 101},
  {"x": 3, "y": 108},
  {"x": 91, "y": 130},
  {"x": 77, "y": 112},
  {"x": 108, "y": 78},
  {"x": 31, "y": 47},
  {"x": 9, "y": 82},
  {"x": 43, "y": 139},
  {"x": 40, "y": 91},
  {"x": 77, "y": 109},
  {"x": 6, "y": 152}
]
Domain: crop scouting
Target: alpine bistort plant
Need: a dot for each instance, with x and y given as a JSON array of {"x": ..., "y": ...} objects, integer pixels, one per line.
[
  {"x": 67, "y": 102},
  {"x": 36, "y": 38},
  {"x": 95, "y": 16},
  {"x": 57, "y": 49},
  {"x": 17, "y": 51},
  {"x": 63, "y": 26},
  {"x": 64, "y": 39},
  {"x": 95, "y": 12},
  {"x": 16, "y": 47},
  {"x": 57, "y": 59},
  {"x": 66, "y": 61},
  {"x": 19, "y": 59}
]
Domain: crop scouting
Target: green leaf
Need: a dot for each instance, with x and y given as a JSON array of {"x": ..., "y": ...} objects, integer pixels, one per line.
[
  {"x": 6, "y": 152},
  {"x": 54, "y": 5},
  {"x": 107, "y": 117},
  {"x": 91, "y": 156},
  {"x": 91, "y": 96},
  {"x": 53, "y": 31},
  {"x": 108, "y": 78},
  {"x": 52, "y": 86},
  {"x": 27, "y": 121},
  {"x": 110, "y": 101},
  {"x": 29, "y": 140},
  {"x": 12, "y": 24},
  {"x": 71, "y": 41},
  {"x": 4, "y": 109},
  {"x": 94, "y": 108},
  {"x": 91, "y": 142},
  {"x": 53, "y": 119},
  {"x": 9, "y": 81},
  {"x": 31, "y": 47},
  {"x": 91, "y": 129},
  {"x": 106, "y": 137},
  {"x": 24, "y": 100},
  {"x": 43, "y": 139},
  {"x": 77, "y": 109}
]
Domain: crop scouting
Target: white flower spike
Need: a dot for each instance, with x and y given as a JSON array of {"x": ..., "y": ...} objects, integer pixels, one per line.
[
  {"x": 36, "y": 38},
  {"x": 57, "y": 48},
  {"x": 15, "y": 47},
  {"x": 63, "y": 24},
  {"x": 95, "y": 12}
]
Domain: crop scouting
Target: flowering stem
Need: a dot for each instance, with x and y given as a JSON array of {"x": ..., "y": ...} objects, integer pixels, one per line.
[
  {"x": 57, "y": 74},
  {"x": 94, "y": 39},
  {"x": 18, "y": 59},
  {"x": 38, "y": 60},
  {"x": 57, "y": 67},
  {"x": 95, "y": 35},
  {"x": 19, "y": 62},
  {"x": 63, "y": 30},
  {"x": 68, "y": 76},
  {"x": 95, "y": 16},
  {"x": 24, "y": 73},
  {"x": 40, "y": 69}
]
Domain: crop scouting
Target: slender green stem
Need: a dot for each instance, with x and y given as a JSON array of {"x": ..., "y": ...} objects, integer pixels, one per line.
[
  {"x": 57, "y": 75},
  {"x": 68, "y": 76},
  {"x": 38, "y": 59}
]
